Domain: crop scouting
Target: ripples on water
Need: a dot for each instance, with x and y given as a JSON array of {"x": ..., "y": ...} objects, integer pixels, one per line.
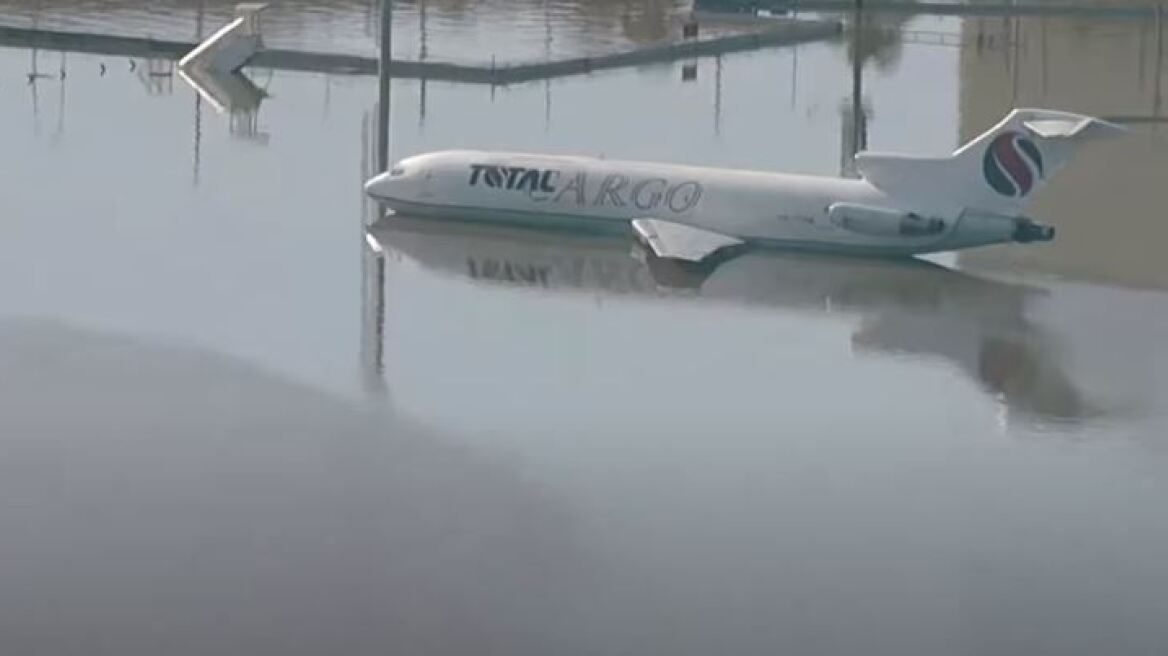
[{"x": 455, "y": 30}]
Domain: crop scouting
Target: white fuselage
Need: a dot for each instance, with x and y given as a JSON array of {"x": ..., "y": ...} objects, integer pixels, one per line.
[{"x": 756, "y": 207}]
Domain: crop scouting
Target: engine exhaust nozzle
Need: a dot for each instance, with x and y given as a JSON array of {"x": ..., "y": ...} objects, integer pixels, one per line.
[{"x": 1027, "y": 231}]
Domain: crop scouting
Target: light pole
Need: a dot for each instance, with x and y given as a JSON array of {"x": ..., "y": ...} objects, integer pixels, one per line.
[
  {"x": 857, "y": 78},
  {"x": 384, "y": 62}
]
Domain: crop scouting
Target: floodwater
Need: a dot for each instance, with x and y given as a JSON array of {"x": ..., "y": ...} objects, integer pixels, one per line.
[
  {"x": 447, "y": 30},
  {"x": 224, "y": 428}
]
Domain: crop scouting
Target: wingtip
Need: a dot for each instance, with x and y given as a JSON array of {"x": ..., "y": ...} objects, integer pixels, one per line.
[{"x": 1110, "y": 128}]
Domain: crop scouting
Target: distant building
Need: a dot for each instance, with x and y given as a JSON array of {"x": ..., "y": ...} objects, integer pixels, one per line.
[{"x": 1109, "y": 204}]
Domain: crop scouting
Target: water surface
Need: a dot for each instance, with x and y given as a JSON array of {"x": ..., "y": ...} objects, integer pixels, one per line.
[{"x": 214, "y": 438}]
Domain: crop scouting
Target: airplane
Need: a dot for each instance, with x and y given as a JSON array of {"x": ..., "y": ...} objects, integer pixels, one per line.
[{"x": 902, "y": 205}]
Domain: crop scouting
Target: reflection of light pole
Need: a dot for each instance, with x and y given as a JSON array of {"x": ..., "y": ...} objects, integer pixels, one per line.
[
  {"x": 371, "y": 349},
  {"x": 718, "y": 95},
  {"x": 198, "y": 137},
  {"x": 794, "y": 73},
  {"x": 32, "y": 83},
  {"x": 373, "y": 315},
  {"x": 61, "y": 101},
  {"x": 372, "y": 254},
  {"x": 198, "y": 98}
]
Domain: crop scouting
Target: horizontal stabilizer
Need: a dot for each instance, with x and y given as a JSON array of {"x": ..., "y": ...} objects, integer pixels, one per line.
[
  {"x": 681, "y": 242},
  {"x": 1056, "y": 128},
  {"x": 1070, "y": 128}
]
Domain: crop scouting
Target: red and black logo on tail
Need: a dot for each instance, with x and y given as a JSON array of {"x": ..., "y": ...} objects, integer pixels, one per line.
[{"x": 1012, "y": 164}]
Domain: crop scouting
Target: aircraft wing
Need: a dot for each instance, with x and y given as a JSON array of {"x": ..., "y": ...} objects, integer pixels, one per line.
[{"x": 677, "y": 241}]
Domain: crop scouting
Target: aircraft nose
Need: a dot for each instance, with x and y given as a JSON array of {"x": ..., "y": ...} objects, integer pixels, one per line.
[{"x": 378, "y": 186}]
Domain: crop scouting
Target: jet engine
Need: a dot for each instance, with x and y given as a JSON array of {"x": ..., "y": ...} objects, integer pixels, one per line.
[{"x": 883, "y": 222}]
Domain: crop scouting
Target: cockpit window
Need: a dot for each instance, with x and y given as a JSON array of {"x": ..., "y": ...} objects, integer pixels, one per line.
[{"x": 397, "y": 171}]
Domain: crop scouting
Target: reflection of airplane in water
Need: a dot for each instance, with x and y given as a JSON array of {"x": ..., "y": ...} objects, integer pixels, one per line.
[{"x": 911, "y": 308}]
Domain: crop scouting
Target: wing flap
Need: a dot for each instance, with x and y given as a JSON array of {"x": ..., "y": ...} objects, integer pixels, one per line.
[{"x": 677, "y": 241}]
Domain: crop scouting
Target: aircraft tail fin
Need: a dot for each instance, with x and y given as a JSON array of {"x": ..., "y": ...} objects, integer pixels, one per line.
[{"x": 999, "y": 170}]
